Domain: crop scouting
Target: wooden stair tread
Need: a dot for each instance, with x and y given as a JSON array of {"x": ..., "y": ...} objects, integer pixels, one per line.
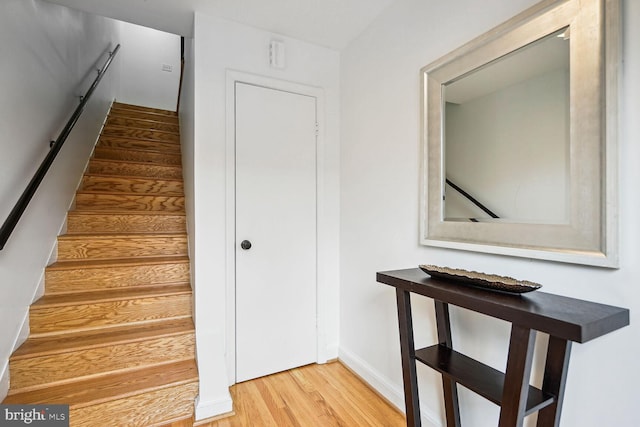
[
  {"x": 152, "y": 157},
  {"x": 119, "y": 294},
  {"x": 116, "y": 126},
  {"x": 80, "y": 275},
  {"x": 130, "y": 177},
  {"x": 119, "y": 164},
  {"x": 141, "y": 134},
  {"x": 118, "y": 184},
  {"x": 119, "y": 193},
  {"x": 137, "y": 170},
  {"x": 125, "y": 212},
  {"x": 120, "y": 235},
  {"x": 107, "y": 201},
  {"x": 106, "y": 235},
  {"x": 135, "y": 114},
  {"x": 115, "y": 234},
  {"x": 142, "y": 123},
  {"x": 133, "y": 163},
  {"x": 117, "y": 262},
  {"x": 120, "y": 143},
  {"x": 122, "y": 116},
  {"x": 120, "y": 245},
  {"x": 134, "y": 128},
  {"x": 138, "y": 150},
  {"x": 124, "y": 222},
  {"x": 68, "y": 342},
  {"x": 109, "y": 387},
  {"x": 158, "y": 116},
  {"x": 106, "y": 138},
  {"x": 135, "y": 202}
]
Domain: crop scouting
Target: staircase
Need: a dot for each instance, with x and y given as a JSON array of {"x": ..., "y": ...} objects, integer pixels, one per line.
[{"x": 113, "y": 335}]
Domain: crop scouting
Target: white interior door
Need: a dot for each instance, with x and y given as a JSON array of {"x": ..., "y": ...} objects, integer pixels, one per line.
[{"x": 276, "y": 212}]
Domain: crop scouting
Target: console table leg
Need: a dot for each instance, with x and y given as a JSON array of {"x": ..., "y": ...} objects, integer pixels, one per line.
[
  {"x": 407, "y": 351},
  {"x": 516, "y": 381},
  {"x": 449, "y": 388},
  {"x": 555, "y": 378}
]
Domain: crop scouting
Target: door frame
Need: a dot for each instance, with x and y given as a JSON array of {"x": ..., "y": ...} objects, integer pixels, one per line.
[{"x": 233, "y": 77}]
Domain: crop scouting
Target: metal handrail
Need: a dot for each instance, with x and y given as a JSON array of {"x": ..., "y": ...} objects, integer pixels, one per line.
[
  {"x": 471, "y": 199},
  {"x": 21, "y": 205},
  {"x": 181, "y": 73}
]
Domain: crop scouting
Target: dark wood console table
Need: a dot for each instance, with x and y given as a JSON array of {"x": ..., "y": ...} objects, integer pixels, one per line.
[{"x": 566, "y": 320}]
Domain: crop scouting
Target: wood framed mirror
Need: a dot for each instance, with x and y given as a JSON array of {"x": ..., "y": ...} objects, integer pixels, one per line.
[{"x": 519, "y": 137}]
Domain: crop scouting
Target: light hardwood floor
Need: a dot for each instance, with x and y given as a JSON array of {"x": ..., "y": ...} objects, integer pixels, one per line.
[{"x": 311, "y": 396}]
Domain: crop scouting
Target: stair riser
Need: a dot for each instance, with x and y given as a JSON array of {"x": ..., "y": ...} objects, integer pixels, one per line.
[
  {"x": 36, "y": 372},
  {"x": 60, "y": 319},
  {"x": 134, "y": 169},
  {"x": 116, "y": 202},
  {"x": 108, "y": 153},
  {"x": 115, "y": 223},
  {"x": 138, "y": 144},
  {"x": 132, "y": 114},
  {"x": 142, "y": 124},
  {"x": 141, "y": 134},
  {"x": 130, "y": 107},
  {"x": 148, "y": 409},
  {"x": 109, "y": 248},
  {"x": 131, "y": 185},
  {"x": 92, "y": 279}
]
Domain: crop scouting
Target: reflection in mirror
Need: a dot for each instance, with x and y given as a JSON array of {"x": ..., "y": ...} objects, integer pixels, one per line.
[{"x": 506, "y": 144}]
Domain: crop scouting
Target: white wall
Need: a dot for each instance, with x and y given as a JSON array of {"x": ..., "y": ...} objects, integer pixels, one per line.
[
  {"x": 49, "y": 56},
  {"x": 216, "y": 395},
  {"x": 144, "y": 52},
  {"x": 380, "y": 146},
  {"x": 220, "y": 46}
]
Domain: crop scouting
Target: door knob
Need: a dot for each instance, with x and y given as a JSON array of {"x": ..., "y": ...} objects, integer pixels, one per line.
[{"x": 245, "y": 245}]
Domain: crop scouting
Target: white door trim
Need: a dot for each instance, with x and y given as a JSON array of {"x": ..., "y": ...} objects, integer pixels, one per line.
[{"x": 232, "y": 77}]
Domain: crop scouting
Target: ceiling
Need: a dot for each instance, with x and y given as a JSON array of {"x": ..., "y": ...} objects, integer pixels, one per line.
[{"x": 330, "y": 23}]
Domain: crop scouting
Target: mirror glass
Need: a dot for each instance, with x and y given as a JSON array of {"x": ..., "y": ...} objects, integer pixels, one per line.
[{"x": 506, "y": 137}]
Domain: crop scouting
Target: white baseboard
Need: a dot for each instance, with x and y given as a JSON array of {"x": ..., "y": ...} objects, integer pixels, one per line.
[
  {"x": 24, "y": 332},
  {"x": 212, "y": 408},
  {"x": 4, "y": 380},
  {"x": 394, "y": 393},
  {"x": 22, "y": 336}
]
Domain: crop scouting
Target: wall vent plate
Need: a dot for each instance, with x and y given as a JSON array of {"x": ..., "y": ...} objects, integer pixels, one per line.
[{"x": 276, "y": 54}]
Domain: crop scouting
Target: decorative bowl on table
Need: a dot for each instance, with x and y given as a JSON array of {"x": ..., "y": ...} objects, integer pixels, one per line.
[{"x": 482, "y": 280}]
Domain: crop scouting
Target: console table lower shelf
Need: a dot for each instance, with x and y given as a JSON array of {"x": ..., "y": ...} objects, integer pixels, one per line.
[{"x": 566, "y": 320}]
